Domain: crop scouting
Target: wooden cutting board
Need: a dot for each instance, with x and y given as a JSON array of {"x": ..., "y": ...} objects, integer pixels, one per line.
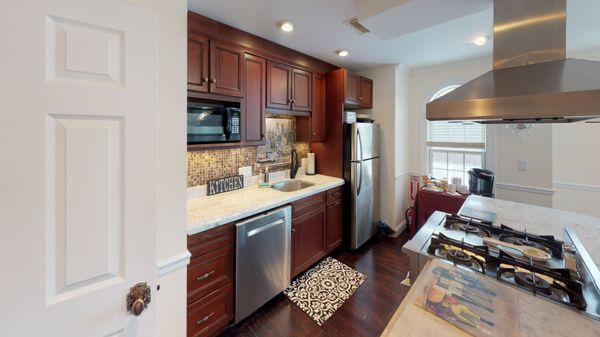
[{"x": 516, "y": 312}]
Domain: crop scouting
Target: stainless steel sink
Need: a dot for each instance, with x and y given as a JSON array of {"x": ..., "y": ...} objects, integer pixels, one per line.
[{"x": 291, "y": 185}]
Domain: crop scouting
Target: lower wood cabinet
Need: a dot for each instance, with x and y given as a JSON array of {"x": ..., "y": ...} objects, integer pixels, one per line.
[
  {"x": 308, "y": 239},
  {"x": 317, "y": 228},
  {"x": 210, "y": 281}
]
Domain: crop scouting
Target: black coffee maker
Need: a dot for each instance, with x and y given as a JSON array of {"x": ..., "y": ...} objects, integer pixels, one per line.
[{"x": 481, "y": 182}]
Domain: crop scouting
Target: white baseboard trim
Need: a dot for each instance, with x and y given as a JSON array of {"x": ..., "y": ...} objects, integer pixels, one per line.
[
  {"x": 408, "y": 173},
  {"x": 579, "y": 187},
  {"x": 523, "y": 188},
  {"x": 172, "y": 263}
]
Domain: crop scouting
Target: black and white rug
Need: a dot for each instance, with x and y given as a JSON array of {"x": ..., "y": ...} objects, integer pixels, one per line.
[{"x": 323, "y": 289}]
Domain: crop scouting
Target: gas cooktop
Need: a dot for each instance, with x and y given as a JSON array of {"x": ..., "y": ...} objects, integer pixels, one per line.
[{"x": 564, "y": 274}]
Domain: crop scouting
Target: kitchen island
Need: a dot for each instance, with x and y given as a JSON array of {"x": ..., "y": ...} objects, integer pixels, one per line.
[{"x": 535, "y": 316}]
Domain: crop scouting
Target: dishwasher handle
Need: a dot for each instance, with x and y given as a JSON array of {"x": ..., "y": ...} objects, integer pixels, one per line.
[{"x": 265, "y": 227}]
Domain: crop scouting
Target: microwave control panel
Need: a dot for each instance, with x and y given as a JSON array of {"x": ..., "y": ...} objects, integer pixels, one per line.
[{"x": 235, "y": 124}]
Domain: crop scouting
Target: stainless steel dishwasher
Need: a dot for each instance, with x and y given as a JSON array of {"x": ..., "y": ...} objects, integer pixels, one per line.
[{"x": 263, "y": 259}]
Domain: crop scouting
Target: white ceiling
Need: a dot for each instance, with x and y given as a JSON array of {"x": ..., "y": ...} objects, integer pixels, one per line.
[{"x": 415, "y": 33}]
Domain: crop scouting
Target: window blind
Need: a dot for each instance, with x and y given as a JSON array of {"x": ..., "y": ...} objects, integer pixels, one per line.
[{"x": 452, "y": 134}]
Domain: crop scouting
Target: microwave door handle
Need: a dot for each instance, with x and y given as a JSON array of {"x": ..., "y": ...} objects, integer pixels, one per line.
[{"x": 227, "y": 126}]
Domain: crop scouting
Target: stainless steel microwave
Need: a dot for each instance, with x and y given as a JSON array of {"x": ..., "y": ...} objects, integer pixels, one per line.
[{"x": 212, "y": 123}]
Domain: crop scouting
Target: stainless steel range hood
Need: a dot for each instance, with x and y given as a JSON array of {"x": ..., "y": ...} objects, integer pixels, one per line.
[{"x": 531, "y": 81}]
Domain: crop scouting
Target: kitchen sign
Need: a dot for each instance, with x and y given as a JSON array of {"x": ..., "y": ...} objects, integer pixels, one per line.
[{"x": 222, "y": 185}]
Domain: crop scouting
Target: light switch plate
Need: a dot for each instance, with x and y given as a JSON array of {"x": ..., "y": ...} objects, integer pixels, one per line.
[
  {"x": 522, "y": 165},
  {"x": 245, "y": 171}
]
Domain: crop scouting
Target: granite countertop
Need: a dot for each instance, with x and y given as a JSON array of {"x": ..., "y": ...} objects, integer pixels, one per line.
[
  {"x": 207, "y": 212},
  {"x": 538, "y": 220}
]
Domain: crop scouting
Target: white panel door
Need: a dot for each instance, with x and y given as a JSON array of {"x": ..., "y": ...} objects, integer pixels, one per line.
[{"x": 78, "y": 135}]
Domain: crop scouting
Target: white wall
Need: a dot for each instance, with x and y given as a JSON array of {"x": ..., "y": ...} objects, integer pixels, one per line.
[
  {"x": 390, "y": 111},
  {"x": 561, "y": 165},
  {"x": 172, "y": 255}
]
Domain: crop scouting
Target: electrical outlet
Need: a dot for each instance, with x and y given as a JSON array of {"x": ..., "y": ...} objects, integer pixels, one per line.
[
  {"x": 245, "y": 171},
  {"x": 522, "y": 165}
]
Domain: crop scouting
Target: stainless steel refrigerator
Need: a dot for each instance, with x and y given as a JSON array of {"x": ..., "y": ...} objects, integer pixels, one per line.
[{"x": 361, "y": 172}]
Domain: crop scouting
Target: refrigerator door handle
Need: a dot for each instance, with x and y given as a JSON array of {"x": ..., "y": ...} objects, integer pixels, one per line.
[
  {"x": 359, "y": 165},
  {"x": 360, "y": 161}
]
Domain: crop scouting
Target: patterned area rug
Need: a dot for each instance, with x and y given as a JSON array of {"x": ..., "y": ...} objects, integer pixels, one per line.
[{"x": 323, "y": 289}]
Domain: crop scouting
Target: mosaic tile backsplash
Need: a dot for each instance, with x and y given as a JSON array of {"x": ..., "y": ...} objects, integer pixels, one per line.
[{"x": 205, "y": 165}]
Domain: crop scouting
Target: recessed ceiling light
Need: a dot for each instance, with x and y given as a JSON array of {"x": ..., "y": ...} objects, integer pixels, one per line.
[
  {"x": 479, "y": 41},
  {"x": 342, "y": 52},
  {"x": 285, "y": 25}
]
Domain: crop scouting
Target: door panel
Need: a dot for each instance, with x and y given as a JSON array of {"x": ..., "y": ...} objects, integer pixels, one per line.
[
  {"x": 319, "y": 116},
  {"x": 254, "y": 106},
  {"x": 351, "y": 88},
  {"x": 279, "y": 85},
  {"x": 197, "y": 71},
  {"x": 308, "y": 239},
  {"x": 362, "y": 227},
  {"x": 335, "y": 220},
  {"x": 226, "y": 69},
  {"x": 366, "y": 92},
  {"x": 81, "y": 168},
  {"x": 301, "y": 90}
]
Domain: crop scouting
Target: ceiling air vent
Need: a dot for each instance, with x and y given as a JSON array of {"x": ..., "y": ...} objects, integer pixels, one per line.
[{"x": 357, "y": 26}]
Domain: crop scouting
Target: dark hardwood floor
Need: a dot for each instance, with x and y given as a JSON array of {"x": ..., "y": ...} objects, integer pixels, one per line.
[{"x": 366, "y": 313}]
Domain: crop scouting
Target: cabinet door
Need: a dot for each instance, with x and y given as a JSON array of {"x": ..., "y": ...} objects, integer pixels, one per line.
[
  {"x": 319, "y": 117},
  {"x": 226, "y": 69},
  {"x": 366, "y": 92},
  {"x": 197, "y": 61},
  {"x": 301, "y": 90},
  {"x": 351, "y": 87},
  {"x": 254, "y": 118},
  {"x": 308, "y": 239},
  {"x": 279, "y": 86},
  {"x": 335, "y": 220}
]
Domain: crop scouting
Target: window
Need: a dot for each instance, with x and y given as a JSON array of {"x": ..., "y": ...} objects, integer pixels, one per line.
[{"x": 454, "y": 147}]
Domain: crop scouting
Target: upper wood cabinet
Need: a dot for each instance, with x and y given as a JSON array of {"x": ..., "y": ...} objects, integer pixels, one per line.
[
  {"x": 358, "y": 91},
  {"x": 351, "y": 87},
  {"x": 198, "y": 66},
  {"x": 365, "y": 92},
  {"x": 279, "y": 85},
  {"x": 319, "y": 116},
  {"x": 254, "y": 118},
  {"x": 288, "y": 88},
  {"x": 215, "y": 67},
  {"x": 301, "y": 90}
]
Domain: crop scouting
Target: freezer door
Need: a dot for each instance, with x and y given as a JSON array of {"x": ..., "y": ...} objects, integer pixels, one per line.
[
  {"x": 364, "y": 182},
  {"x": 365, "y": 141}
]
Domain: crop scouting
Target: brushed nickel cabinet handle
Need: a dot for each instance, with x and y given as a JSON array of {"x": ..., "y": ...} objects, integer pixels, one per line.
[
  {"x": 205, "y": 79},
  {"x": 205, "y": 276},
  {"x": 205, "y": 319},
  {"x": 214, "y": 80}
]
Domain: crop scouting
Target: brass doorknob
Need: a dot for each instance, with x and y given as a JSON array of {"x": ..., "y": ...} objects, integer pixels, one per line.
[{"x": 138, "y": 298}]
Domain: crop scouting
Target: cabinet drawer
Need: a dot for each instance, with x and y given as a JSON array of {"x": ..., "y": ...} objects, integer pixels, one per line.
[
  {"x": 308, "y": 204},
  {"x": 210, "y": 315},
  {"x": 335, "y": 194},
  {"x": 210, "y": 272},
  {"x": 202, "y": 243}
]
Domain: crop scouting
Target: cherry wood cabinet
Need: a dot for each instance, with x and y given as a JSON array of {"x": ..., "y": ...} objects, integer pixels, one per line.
[
  {"x": 358, "y": 91},
  {"x": 335, "y": 218},
  {"x": 317, "y": 228},
  {"x": 198, "y": 66},
  {"x": 279, "y": 85},
  {"x": 308, "y": 239},
  {"x": 351, "y": 88},
  {"x": 254, "y": 117},
  {"x": 319, "y": 117},
  {"x": 210, "y": 281},
  {"x": 288, "y": 88},
  {"x": 226, "y": 69},
  {"x": 215, "y": 67},
  {"x": 365, "y": 92},
  {"x": 301, "y": 90}
]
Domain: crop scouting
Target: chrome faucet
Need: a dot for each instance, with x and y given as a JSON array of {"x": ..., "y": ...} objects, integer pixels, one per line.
[
  {"x": 294, "y": 165},
  {"x": 266, "y": 180}
]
